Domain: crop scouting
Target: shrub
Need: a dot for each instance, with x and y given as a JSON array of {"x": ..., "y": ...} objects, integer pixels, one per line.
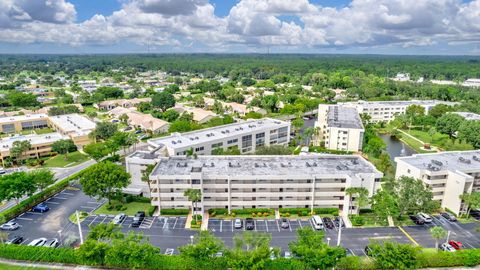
[
  {"x": 259, "y": 214},
  {"x": 151, "y": 210},
  {"x": 326, "y": 211},
  {"x": 357, "y": 220},
  {"x": 218, "y": 211},
  {"x": 253, "y": 214},
  {"x": 265, "y": 214},
  {"x": 174, "y": 212},
  {"x": 213, "y": 214},
  {"x": 233, "y": 214},
  {"x": 248, "y": 211}
]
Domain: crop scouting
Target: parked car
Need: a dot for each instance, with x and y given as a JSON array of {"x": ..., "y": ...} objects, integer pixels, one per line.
[
  {"x": 447, "y": 247},
  {"x": 475, "y": 213},
  {"x": 15, "y": 240},
  {"x": 287, "y": 255},
  {"x": 416, "y": 220},
  {"x": 285, "y": 224},
  {"x": 455, "y": 244},
  {"x": 53, "y": 243},
  {"x": 119, "y": 218},
  {"x": 10, "y": 226},
  {"x": 249, "y": 224},
  {"x": 138, "y": 131},
  {"x": 238, "y": 223},
  {"x": 42, "y": 207},
  {"x": 425, "y": 217},
  {"x": 38, "y": 242},
  {"x": 317, "y": 223},
  {"x": 337, "y": 222},
  {"x": 449, "y": 216},
  {"x": 219, "y": 254},
  {"x": 2, "y": 171},
  {"x": 368, "y": 251},
  {"x": 138, "y": 219},
  {"x": 328, "y": 222}
]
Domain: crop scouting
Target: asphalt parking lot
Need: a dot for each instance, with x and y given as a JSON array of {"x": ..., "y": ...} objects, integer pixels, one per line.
[{"x": 169, "y": 233}]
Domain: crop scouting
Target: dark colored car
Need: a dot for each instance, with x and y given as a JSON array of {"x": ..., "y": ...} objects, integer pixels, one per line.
[
  {"x": 249, "y": 224},
  {"x": 327, "y": 222},
  {"x": 42, "y": 207},
  {"x": 337, "y": 220},
  {"x": 368, "y": 251},
  {"x": 285, "y": 224},
  {"x": 138, "y": 219},
  {"x": 416, "y": 220},
  {"x": 449, "y": 216},
  {"x": 475, "y": 214},
  {"x": 16, "y": 240}
]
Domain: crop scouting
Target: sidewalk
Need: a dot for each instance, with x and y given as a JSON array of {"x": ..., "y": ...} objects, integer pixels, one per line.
[{"x": 47, "y": 265}]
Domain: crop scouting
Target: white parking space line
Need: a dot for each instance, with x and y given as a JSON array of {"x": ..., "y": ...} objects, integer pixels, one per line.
[
  {"x": 53, "y": 202},
  {"x": 92, "y": 221},
  {"x": 468, "y": 244},
  {"x": 311, "y": 224},
  {"x": 353, "y": 253},
  {"x": 221, "y": 225},
  {"x": 66, "y": 193},
  {"x": 97, "y": 203},
  {"x": 165, "y": 225},
  {"x": 34, "y": 213},
  {"x": 299, "y": 223},
  {"x": 104, "y": 219},
  {"x": 266, "y": 225},
  {"x": 60, "y": 198},
  {"x": 23, "y": 218},
  {"x": 289, "y": 225},
  {"x": 232, "y": 226},
  {"x": 176, "y": 219},
  {"x": 278, "y": 227}
]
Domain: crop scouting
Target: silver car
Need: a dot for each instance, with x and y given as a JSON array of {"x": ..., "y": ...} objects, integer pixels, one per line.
[
  {"x": 9, "y": 226},
  {"x": 118, "y": 219},
  {"x": 238, "y": 223},
  {"x": 52, "y": 243},
  {"x": 38, "y": 242}
]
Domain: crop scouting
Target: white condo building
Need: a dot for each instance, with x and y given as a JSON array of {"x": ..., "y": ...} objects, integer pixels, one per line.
[
  {"x": 449, "y": 174},
  {"x": 339, "y": 128},
  {"x": 246, "y": 136},
  {"x": 235, "y": 182},
  {"x": 471, "y": 83},
  {"x": 385, "y": 111}
]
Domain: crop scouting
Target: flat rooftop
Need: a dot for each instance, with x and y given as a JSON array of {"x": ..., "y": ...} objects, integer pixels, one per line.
[
  {"x": 469, "y": 116},
  {"x": 26, "y": 117},
  {"x": 250, "y": 165},
  {"x": 7, "y": 142},
  {"x": 74, "y": 123},
  {"x": 176, "y": 140},
  {"x": 343, "y": 117},
  {"x": 455, "y": 160},
  {"x": 401, "y": 102}
]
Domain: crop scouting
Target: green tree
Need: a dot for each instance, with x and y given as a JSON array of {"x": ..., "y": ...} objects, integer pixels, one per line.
[
  {"x": 298, "y": 123},
  {"x": 470, "y": 132},
  {"x": 471, "y": 201},
  {"x": 194, "y": 195},
  {"x": 311, "y": 249},
  {"x": 19, "y": 148},
  {"x": 105, "y": 130},
  {"x": 170, "y": 115},
  {"x": 122, "y": 139},
  {"x": 205, "y": 246},
  {"x": 16, "y": 185},
  {"x": 64, "y": 147},
  {"x": 384, "y": 204},
  {"x": 437, "y": 233},
  {"x": 389, "y": 255},
  {"x": 42, "y": 178},
  {"x": 273, "y": 150},
  {"x": 123, "y": 118},
  {"x": 132, "y": 252},
  {"x": 97, "y": 151},
  {"x": 163, "y": 100},
  {"x": 449, "y": 124},
  {"x": 251, "y": 251},
  {"x": 104, "y": 180},
  {"x": 414, "y": 196},
  {"x": 146, "y": 174},
  {"x": 19, "y": 99},
  {"x": 360, "y": 194},
  {"x": 105, "y": 232}
]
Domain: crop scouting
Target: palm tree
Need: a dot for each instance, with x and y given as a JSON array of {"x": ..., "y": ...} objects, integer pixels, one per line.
[
  {"x": 350, "y": 192},
  {"x": 361, "y": 195},
  {"x": 193, "y": 195},
  {"x": 146, "y": 175},
  {"x": 471, "y": 200},
  {"x": 437, "y": 233}
]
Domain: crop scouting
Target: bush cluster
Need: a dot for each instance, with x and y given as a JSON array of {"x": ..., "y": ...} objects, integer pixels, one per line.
[
  {"x": 249, "y": 211},
  {"x": 174, "y": 212}
]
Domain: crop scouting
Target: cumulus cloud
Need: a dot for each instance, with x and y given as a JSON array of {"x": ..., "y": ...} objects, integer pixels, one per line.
[{"x": 184, "y": 23}]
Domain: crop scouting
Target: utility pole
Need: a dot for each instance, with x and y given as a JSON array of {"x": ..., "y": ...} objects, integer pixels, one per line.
[
  {"x": 79, "y": 227},
  {"x": 448, "y": 236},
  {"x": 339, "y": 231}
]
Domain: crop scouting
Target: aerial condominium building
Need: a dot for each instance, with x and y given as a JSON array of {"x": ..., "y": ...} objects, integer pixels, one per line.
[
  {"x": 385, "y": 111},
  {"x": 339, "y": 128},
  {"x": 235, "y": 182},
  {"x": 449, "y": 174},
  {"x": 41, "y": 145},
  {"x": 246, "y": 136}
]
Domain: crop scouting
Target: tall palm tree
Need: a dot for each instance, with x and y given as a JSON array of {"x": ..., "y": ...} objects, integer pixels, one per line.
[
  {"x": 437, "y": 233},
  {"x": 146, "y": 175},
  {"x": 194, "y": 195},
  {"x": 350, "y": 192}
]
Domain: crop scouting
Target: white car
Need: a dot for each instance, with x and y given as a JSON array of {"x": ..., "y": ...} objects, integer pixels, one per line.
[
  {"x": 287, "y": 255},
  {"x": 53, "y": 243},
  {"x": 426, "y": 218},
  {"x": 238, "y": 223},
  {"x": 9, "y": 226},
  {"x": 38, "y": 242},
  {"x": 118, "y": 218},
  {"x": 447, "y": 247}
]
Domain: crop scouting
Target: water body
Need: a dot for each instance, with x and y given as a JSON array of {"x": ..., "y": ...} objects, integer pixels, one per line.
[{"x": 396, "y": 148}]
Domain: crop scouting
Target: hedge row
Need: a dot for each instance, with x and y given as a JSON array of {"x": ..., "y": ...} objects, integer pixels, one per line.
[
  {"x": 37, "y": 198},
  {"x": 318, "y": 211},
  {"x": 173, "y": 212},
  {"x": 249, "y": 211}
]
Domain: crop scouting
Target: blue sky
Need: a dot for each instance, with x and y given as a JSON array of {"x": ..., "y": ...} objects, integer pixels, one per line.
[{"x": 241, "y": 26}]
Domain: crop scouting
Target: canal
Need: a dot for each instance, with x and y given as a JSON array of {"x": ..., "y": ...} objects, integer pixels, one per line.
[{"x": 396, "y": 148}]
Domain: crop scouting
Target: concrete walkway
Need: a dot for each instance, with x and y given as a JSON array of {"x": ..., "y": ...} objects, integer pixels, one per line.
[{"x": 47, "y": 265}]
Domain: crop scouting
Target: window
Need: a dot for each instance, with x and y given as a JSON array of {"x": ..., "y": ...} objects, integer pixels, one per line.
[
  {"x": 195, "y": 181},
  {"x": 216, "y": 145},
  {"x": 232, "y": 141},
  {"x": 201, "y": 148}
]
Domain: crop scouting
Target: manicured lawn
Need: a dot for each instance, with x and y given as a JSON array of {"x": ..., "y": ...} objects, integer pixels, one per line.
[
  {"x": 44, "y": 130},
  {"x": 439, "y": 140},
  {"x": 132, "y": 209},
  {"x": 73, "y": 159},
  {"x": 416, "y": 145}
]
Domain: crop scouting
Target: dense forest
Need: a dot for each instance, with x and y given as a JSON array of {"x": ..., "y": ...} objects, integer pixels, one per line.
[{"x": 258, "y": 66}]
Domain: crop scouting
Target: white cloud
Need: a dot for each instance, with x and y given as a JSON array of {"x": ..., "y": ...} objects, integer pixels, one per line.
[{"x": 250, "y": 23}]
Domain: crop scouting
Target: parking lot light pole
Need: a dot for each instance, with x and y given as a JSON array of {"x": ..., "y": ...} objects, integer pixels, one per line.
[
  {"x": 339, "y": 238},
  {"x": 328, "y": 241},
  {"x": 60, "y": 236},
  {"x": 448, "y": 236},
  {"x": 191, "y": 239},
  {"x": 79, "y": 228}
]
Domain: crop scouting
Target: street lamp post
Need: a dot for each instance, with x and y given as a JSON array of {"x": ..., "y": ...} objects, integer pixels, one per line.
[
  {"x": 328, "y": 241},
  {"x": 60, "y": 236},
  {"x": 191, "y": 239}
]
